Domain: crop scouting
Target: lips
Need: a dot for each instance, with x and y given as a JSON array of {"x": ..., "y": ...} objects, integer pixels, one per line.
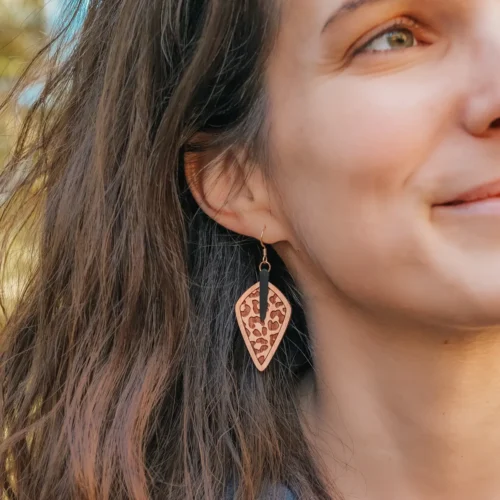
[{"x": 481, "y": 193}]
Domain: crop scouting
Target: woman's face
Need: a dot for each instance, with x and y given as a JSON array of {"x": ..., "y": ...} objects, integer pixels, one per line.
[{"x": 381, "y": 112}]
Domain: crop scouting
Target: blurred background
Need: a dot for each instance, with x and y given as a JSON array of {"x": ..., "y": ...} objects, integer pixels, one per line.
[{"x": 24, "y": 28}]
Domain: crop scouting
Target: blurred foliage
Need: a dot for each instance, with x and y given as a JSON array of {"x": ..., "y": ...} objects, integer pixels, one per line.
[{"x": 22, "y": 34}]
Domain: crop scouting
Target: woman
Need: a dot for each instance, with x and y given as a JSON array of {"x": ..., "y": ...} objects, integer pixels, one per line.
[{"x": 268, "y": 261}]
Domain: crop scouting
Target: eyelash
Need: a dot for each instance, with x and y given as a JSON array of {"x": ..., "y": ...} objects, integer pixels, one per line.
[{"x": 399, "y": 23}]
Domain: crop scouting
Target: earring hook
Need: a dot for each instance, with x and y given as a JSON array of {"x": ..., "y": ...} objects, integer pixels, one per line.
[
  {"x": 261, "y": 238},
  {"x": 264, "y": 251}
]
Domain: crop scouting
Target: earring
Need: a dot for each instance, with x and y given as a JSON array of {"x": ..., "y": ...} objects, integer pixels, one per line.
[{"x": 263, "y": 314}]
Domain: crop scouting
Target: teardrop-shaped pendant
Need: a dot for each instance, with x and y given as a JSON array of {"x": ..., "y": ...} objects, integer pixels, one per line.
[{"x": 263, "y": 337}]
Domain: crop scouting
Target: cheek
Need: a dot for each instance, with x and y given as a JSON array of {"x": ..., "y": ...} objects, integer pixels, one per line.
[
  {"x": 347, "y": 156},
  {"x": 367, "y": 135}
]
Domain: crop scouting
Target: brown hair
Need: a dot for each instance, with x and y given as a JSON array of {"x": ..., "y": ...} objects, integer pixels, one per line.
[{"x": 123, "y": 372}]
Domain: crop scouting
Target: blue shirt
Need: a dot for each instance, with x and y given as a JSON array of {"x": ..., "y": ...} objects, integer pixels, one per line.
[{"x": 278, "y": 492}]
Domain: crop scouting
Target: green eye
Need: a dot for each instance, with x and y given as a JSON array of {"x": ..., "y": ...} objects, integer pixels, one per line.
[{"x": 396, "y": 39}]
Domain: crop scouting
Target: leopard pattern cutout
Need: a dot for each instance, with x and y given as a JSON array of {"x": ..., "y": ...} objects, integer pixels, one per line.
[{"x": 262, "y": 338}]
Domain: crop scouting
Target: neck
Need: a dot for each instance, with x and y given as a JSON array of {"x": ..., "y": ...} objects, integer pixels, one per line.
[{"x": 399, "y": 411}]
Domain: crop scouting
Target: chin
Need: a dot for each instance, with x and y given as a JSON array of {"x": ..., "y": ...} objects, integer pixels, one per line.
[
  {"x": 461, "y": 288},
  {"x": 475, "y": 309}
]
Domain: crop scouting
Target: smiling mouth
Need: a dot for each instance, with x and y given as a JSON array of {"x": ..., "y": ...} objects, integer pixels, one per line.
[{"x": 485, "y": 192}]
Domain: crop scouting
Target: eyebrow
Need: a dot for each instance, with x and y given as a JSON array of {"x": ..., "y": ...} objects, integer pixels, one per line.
[{"x": 347, "y": 7}]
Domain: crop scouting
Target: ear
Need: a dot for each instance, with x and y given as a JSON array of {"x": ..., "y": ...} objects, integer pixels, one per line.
[{"x": 234, "y": 193}]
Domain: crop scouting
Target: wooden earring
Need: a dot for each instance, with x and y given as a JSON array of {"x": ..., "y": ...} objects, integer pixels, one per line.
[{"x": 263, "y": 314}]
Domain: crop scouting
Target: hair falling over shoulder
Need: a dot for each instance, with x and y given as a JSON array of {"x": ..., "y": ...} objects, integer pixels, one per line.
[{"x": 123, "y": 373}]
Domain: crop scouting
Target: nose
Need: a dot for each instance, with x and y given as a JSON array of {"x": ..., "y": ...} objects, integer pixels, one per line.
[{"x": 481, "y": 115}]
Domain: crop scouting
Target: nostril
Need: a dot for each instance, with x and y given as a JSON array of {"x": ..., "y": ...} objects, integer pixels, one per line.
[{"x": 495, "y": 124}]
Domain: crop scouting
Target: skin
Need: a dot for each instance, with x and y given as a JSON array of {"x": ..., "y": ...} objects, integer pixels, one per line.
[{"x": 402, "y": 295}]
